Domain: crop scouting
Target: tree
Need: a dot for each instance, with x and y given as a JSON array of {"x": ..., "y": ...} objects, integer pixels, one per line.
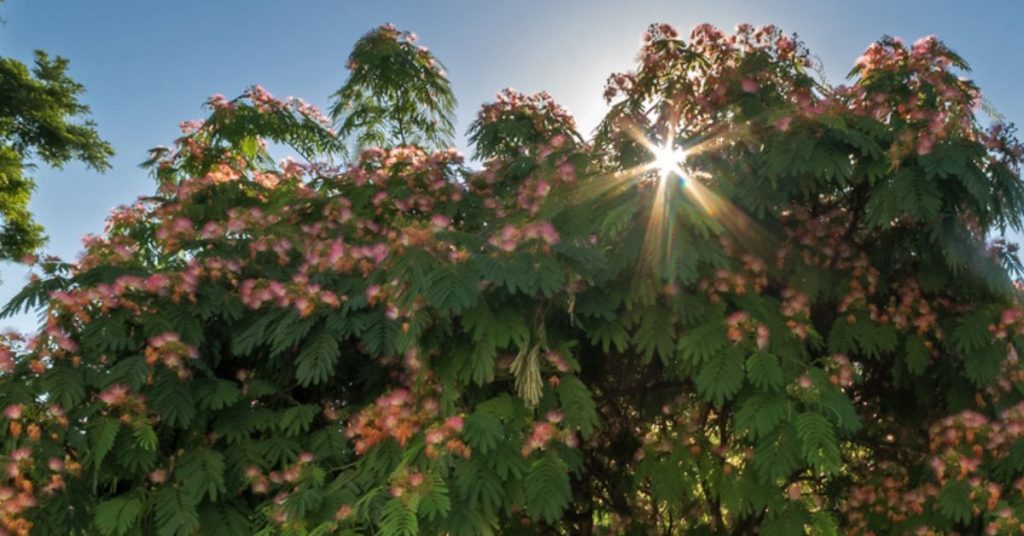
[
  {"x": 40, "y": 118},
  {"x": 801, "y": 320},
  {"x": 396, "y": 94}
]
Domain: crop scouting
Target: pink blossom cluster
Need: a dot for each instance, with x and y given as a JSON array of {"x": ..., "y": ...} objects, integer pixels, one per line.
[
  {"x": 168, "y": 350},
  {"x": 928, "y": 97},
  {"x": 399, "y": 415},
  {"x": 732, "y": 68},
  {"x": 544, "y": 432},
  {"x": 548, "y": 117},
  {"x": 511, "y": 236},
  {"x": 739, "y": 325}
]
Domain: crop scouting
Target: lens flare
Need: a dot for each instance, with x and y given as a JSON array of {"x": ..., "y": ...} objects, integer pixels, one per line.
[{"x": 667, "y": 159}]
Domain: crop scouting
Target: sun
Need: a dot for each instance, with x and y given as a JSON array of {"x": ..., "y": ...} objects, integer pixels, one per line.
[{"x": 667, "y": 160}]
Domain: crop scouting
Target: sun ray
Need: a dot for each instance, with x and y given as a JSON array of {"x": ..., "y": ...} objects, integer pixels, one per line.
[{"x": 670, "y": 164}]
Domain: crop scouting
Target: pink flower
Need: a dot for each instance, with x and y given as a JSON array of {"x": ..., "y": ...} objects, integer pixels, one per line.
[
  {"x": 782, "y": 124},
  {"x": 435, "y": 436},
  {"x": 6, "y": 360},
  {"x": 749, "y": 85},
  {"x": 925, "y": 145},
  {"x": 13, "y": 412},
  {"x": 114, "y": 395},
  {"x": 794, "y": 491},
  {"x": 158, "y": 476},
  {"x": 439, "y": 221},
  {"x": 372, "y": 292},
  {"x": 763, "y": 336},
  {"x": 343, "y": 512},
  {"x": 542, "y": 433},
  {"x": 737, "y": 317},
  {"x": 454, "y": 423},
  {"x": 415, "y": 479}
]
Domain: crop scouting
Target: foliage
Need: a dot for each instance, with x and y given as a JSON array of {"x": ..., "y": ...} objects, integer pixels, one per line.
[
  {"x": 40, "y": 118},
  {"x": 396, "y": 94},
  {"x": 804, "y": 329}
]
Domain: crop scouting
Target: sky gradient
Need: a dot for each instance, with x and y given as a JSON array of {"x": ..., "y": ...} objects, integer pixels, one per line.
[{"x": 147, "y": 66}]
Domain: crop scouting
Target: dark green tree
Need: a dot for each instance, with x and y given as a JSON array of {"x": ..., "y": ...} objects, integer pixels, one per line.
[
  {"x": 41, "y": 118},
  {"x": 396, "y": 93}
]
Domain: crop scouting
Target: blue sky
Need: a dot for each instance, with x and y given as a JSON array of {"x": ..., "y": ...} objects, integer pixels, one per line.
[{"x": 149, "y": 65}]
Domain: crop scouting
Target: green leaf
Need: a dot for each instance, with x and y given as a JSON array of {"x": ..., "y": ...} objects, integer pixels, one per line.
[
  {"x": 764, "y": 372},
  {"x": 216, "y": 394},
  {"x": 655, "y": 334},
  {"x": 918, "y": 356},
  {"x": 65, "y": 385},
  {"x": 298, "y": 419},
  {"x": 483, "y": 431},
  {"x": 983, "y": 366},
  {"x": 434, "y": 503},
  {"x": 117, "y": 516},
  {"x": 824, "y": 524},
  {"x": 547, "y": 488},
  {"x": 778, "y": 455},
  {"x": 452, "y": 288},
  {"x": 703, "y": 342},
  {"x": 245, "y": 341},
  {"x": 760, "y": 414},
  {"x": 224, "y": 519},
  {"x": 818, "y": 440},
  {"x": 479, "y": 486},
  {"x": 578, "y": 405},
  {"x": 175, "y": 512},
  {"x": 955, "y": 501},
  {"x": 201, "y": 470},
  {"x": 102, "y": 435},
  {"x": 145, "y": 437},
  {"x": 972, "y": 334},
  {"x": 132, "y": 371},
  {"x": 172, "y": 399},
  {"x": 399, "y": 518},
  {"x": 317, "y": 359},
  {"x": 721, "y": 377},
  {"x": 837, "y": 406}
]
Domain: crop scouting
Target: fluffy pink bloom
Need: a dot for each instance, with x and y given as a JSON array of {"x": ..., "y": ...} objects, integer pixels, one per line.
[
  {"x": 6, "y": 359},
  {"x": 436, "y": 436},
  {"x": 158, "y": 476},
  {"x": 454, "y": 423},
  {"x": 13, "y": 412},
  {"x": 782, "y": 124},
  {"x": 749, "y": 85},
  {"x": 439, "y": 221},
  {"x": 114, "y": 395},
  {"x": 343, "y": 512},
  {"x": 763, "y": 336}
]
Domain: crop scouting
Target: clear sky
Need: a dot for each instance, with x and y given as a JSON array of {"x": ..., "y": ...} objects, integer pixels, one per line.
[{"x": 149, "y": 65}]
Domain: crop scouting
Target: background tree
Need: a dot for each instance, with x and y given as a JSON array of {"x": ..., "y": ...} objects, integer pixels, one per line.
[
  {"x": 396, "y": 94},
  {"x": 752, "y": 304},
  {"x": 40, "y": 118}
]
